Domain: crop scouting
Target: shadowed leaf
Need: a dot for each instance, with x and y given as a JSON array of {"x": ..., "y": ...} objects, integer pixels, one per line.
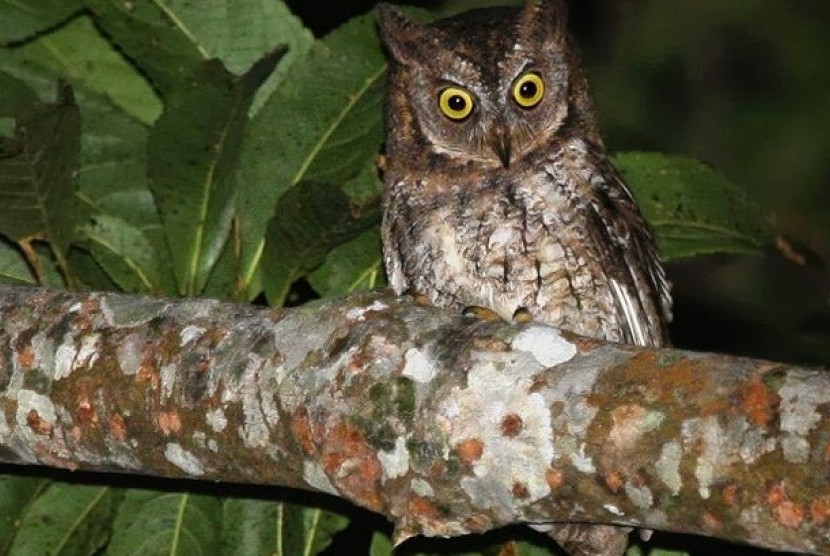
[
  {"x": 67, "y": 519},
  {"x": 193, "y": 150},
  {"x": 151, "y": 522},
  {"x": 38, "y": 174},
  {"x": 20, "y": 20},
  {"x": 310, "y": 219},
  {"x": 693, "y": 208},
  {"x": 323, "y": 123},
  {"x": 263, "y": 527}
]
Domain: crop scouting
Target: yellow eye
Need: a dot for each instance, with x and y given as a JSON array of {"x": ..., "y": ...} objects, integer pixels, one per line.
[
  {"x": 528, "y": 90},
  {"x": 455, "y": 103}
]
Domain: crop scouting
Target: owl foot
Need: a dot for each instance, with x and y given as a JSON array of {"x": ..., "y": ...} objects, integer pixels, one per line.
[
  {"x": 522, "y": 315},
  {"x": 480, "y": 313}
]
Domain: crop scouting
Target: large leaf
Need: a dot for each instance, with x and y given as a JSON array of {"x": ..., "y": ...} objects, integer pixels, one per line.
[
  {"x": 310, "y": 219},
  {"x": 20, "y": 20},
  {"x": 169, "y": 39},
  {"x": 77, "y": 53},
  {"x": 323, "y": 123},
  {"x": 264, "y": 527},
  {"x": 16, "y": 493},
  {"x": 123, "y": 230},
  {"x": 153, "y": 37},
  {"x": 239, "y": 32},
  {"x": 151, "y": 522},
  {"x": 67, "y": 519},
  {"x": 13, "y": 266},
  {"x": 38, "y": 169},
  {"x": 693, "y": 208},
  {"x": 192, "y": 152},
  {"x": 352, "y": 266}
]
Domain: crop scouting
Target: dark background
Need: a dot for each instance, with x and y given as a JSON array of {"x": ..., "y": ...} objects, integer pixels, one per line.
[{"x": 743, "y": 85}]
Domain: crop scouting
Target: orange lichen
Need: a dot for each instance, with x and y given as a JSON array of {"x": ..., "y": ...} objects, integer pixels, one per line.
[
  {"x": 759, "y": 403},
  {"x": 423, "y": 508},
  {"x": 118, "y": 427},
  {"x": 730, "y": 494},
  {"x": 776, "y": 495},
  {"x": 519, "y": 490},
  {"x": 555, "y": 478},
  {"x": 614, "y": 481},
  {"x": 478, "y": 523},
  {"x": 40, "y": 426},
  {"x": 353, "y": 464},
  {"x": 786, "y": 512},
  {"x": 820, "y": 511},
  {"x": 681, "y": 375},
  {"x": 26, "y": 357},
  {"x": 147, "y": 373},
  {"x": 511, "y": 425},
  {"x": 169, "y": 422},
  {"x": 711, "y": 521},
  {"x": 85, "y": 412},
  {"x": 470, "y": 450},
  {"x": 789, "y": 514},
  {"x": 303, "y": 434}
]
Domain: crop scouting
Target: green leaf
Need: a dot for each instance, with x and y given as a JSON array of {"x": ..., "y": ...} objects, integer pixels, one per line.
[
  {"x": 123, "y": 229},
  {"x": 239, "y": 32},
  {"x": 151, "y": 522},
  {"x": 306, "y": 531},
  {"x": 153, "y": 37},
  {"x": 16, "y": 493},
  {"x": 323, "y": 123},
  {"x": 264, "y": 527},
  {"x": 15, "y": 95},
  {"x": 125, "y": 253},
  {"x": 13, "y": 266},
  {"x": 79, "y": 54},
  {"x": 38, "y": 169},
  {"x": 381, "y": 545},
  {"x": 310, "y": 219},
  {"x": 352, "y": 266},
  {"x": 193, "y": 150},
  {"x": 67, "y": 519},
  {"x": 20, "y": 20},
  {"x": 693, "y": 208}
]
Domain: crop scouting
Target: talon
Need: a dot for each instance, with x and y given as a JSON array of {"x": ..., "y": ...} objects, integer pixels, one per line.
[
  {"x": 419, "y": 298},
  {"x": 480, "y": 313},
  {"x": 522, "y": 315}
]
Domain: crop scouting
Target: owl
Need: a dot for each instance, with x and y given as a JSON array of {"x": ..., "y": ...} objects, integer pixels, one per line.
[{"x": 498, "y": 190}]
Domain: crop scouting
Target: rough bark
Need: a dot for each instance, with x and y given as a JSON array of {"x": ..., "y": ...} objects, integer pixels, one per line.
[{"x": 445, "y": 425}]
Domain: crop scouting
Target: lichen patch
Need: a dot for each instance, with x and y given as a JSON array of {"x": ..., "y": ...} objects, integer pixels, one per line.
[
  {"x": 546, "y": 345},
  {"x": 184, "y": 460},
  {"x": 417, "y": 366}
]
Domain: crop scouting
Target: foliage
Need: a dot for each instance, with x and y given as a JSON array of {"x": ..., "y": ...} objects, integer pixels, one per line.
[{"x": 183, "y": 149}]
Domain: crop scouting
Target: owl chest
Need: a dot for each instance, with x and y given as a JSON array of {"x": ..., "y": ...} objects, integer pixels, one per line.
[{"x": 507, "y": 246}]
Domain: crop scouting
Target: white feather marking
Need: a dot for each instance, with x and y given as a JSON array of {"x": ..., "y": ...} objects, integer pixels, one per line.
[{"x": 633, "y": 317}]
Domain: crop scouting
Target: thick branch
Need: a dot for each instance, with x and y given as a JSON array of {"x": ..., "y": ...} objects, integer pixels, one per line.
[{"x": 444, "y": 425}]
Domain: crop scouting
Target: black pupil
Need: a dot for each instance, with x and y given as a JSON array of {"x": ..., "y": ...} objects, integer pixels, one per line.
[
  {"x": 457, "y": 103},
  {"x": 528, "y": 89}
]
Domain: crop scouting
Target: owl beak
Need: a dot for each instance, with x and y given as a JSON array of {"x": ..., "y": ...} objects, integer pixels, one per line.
[{"x": 500, "y": 143}]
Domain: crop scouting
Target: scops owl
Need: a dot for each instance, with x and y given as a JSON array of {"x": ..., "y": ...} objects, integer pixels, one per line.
[{"x": 499, "y": 192}]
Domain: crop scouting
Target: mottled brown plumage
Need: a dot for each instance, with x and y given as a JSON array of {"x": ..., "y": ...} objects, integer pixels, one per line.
[{"x": 511, "y": 207}]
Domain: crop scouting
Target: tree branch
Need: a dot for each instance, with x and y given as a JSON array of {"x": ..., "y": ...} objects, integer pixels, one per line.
[{"x": 446, "y": 426}]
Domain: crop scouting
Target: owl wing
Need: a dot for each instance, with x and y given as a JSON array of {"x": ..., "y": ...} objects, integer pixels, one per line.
[{"x": 628, "y": 255}]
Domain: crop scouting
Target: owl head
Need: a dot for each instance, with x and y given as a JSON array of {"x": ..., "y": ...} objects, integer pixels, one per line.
[{"x": 488, "y": 86}]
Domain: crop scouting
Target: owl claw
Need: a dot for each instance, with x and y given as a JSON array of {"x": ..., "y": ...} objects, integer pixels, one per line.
[
  {"x": 522, "y": 315},
  {"x": 480, "y": 313}
]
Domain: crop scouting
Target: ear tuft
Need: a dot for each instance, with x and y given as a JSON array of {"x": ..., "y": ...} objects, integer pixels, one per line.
[
  {"x": 545, "y": 20},
  {"x": 403, "y": 37}
]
